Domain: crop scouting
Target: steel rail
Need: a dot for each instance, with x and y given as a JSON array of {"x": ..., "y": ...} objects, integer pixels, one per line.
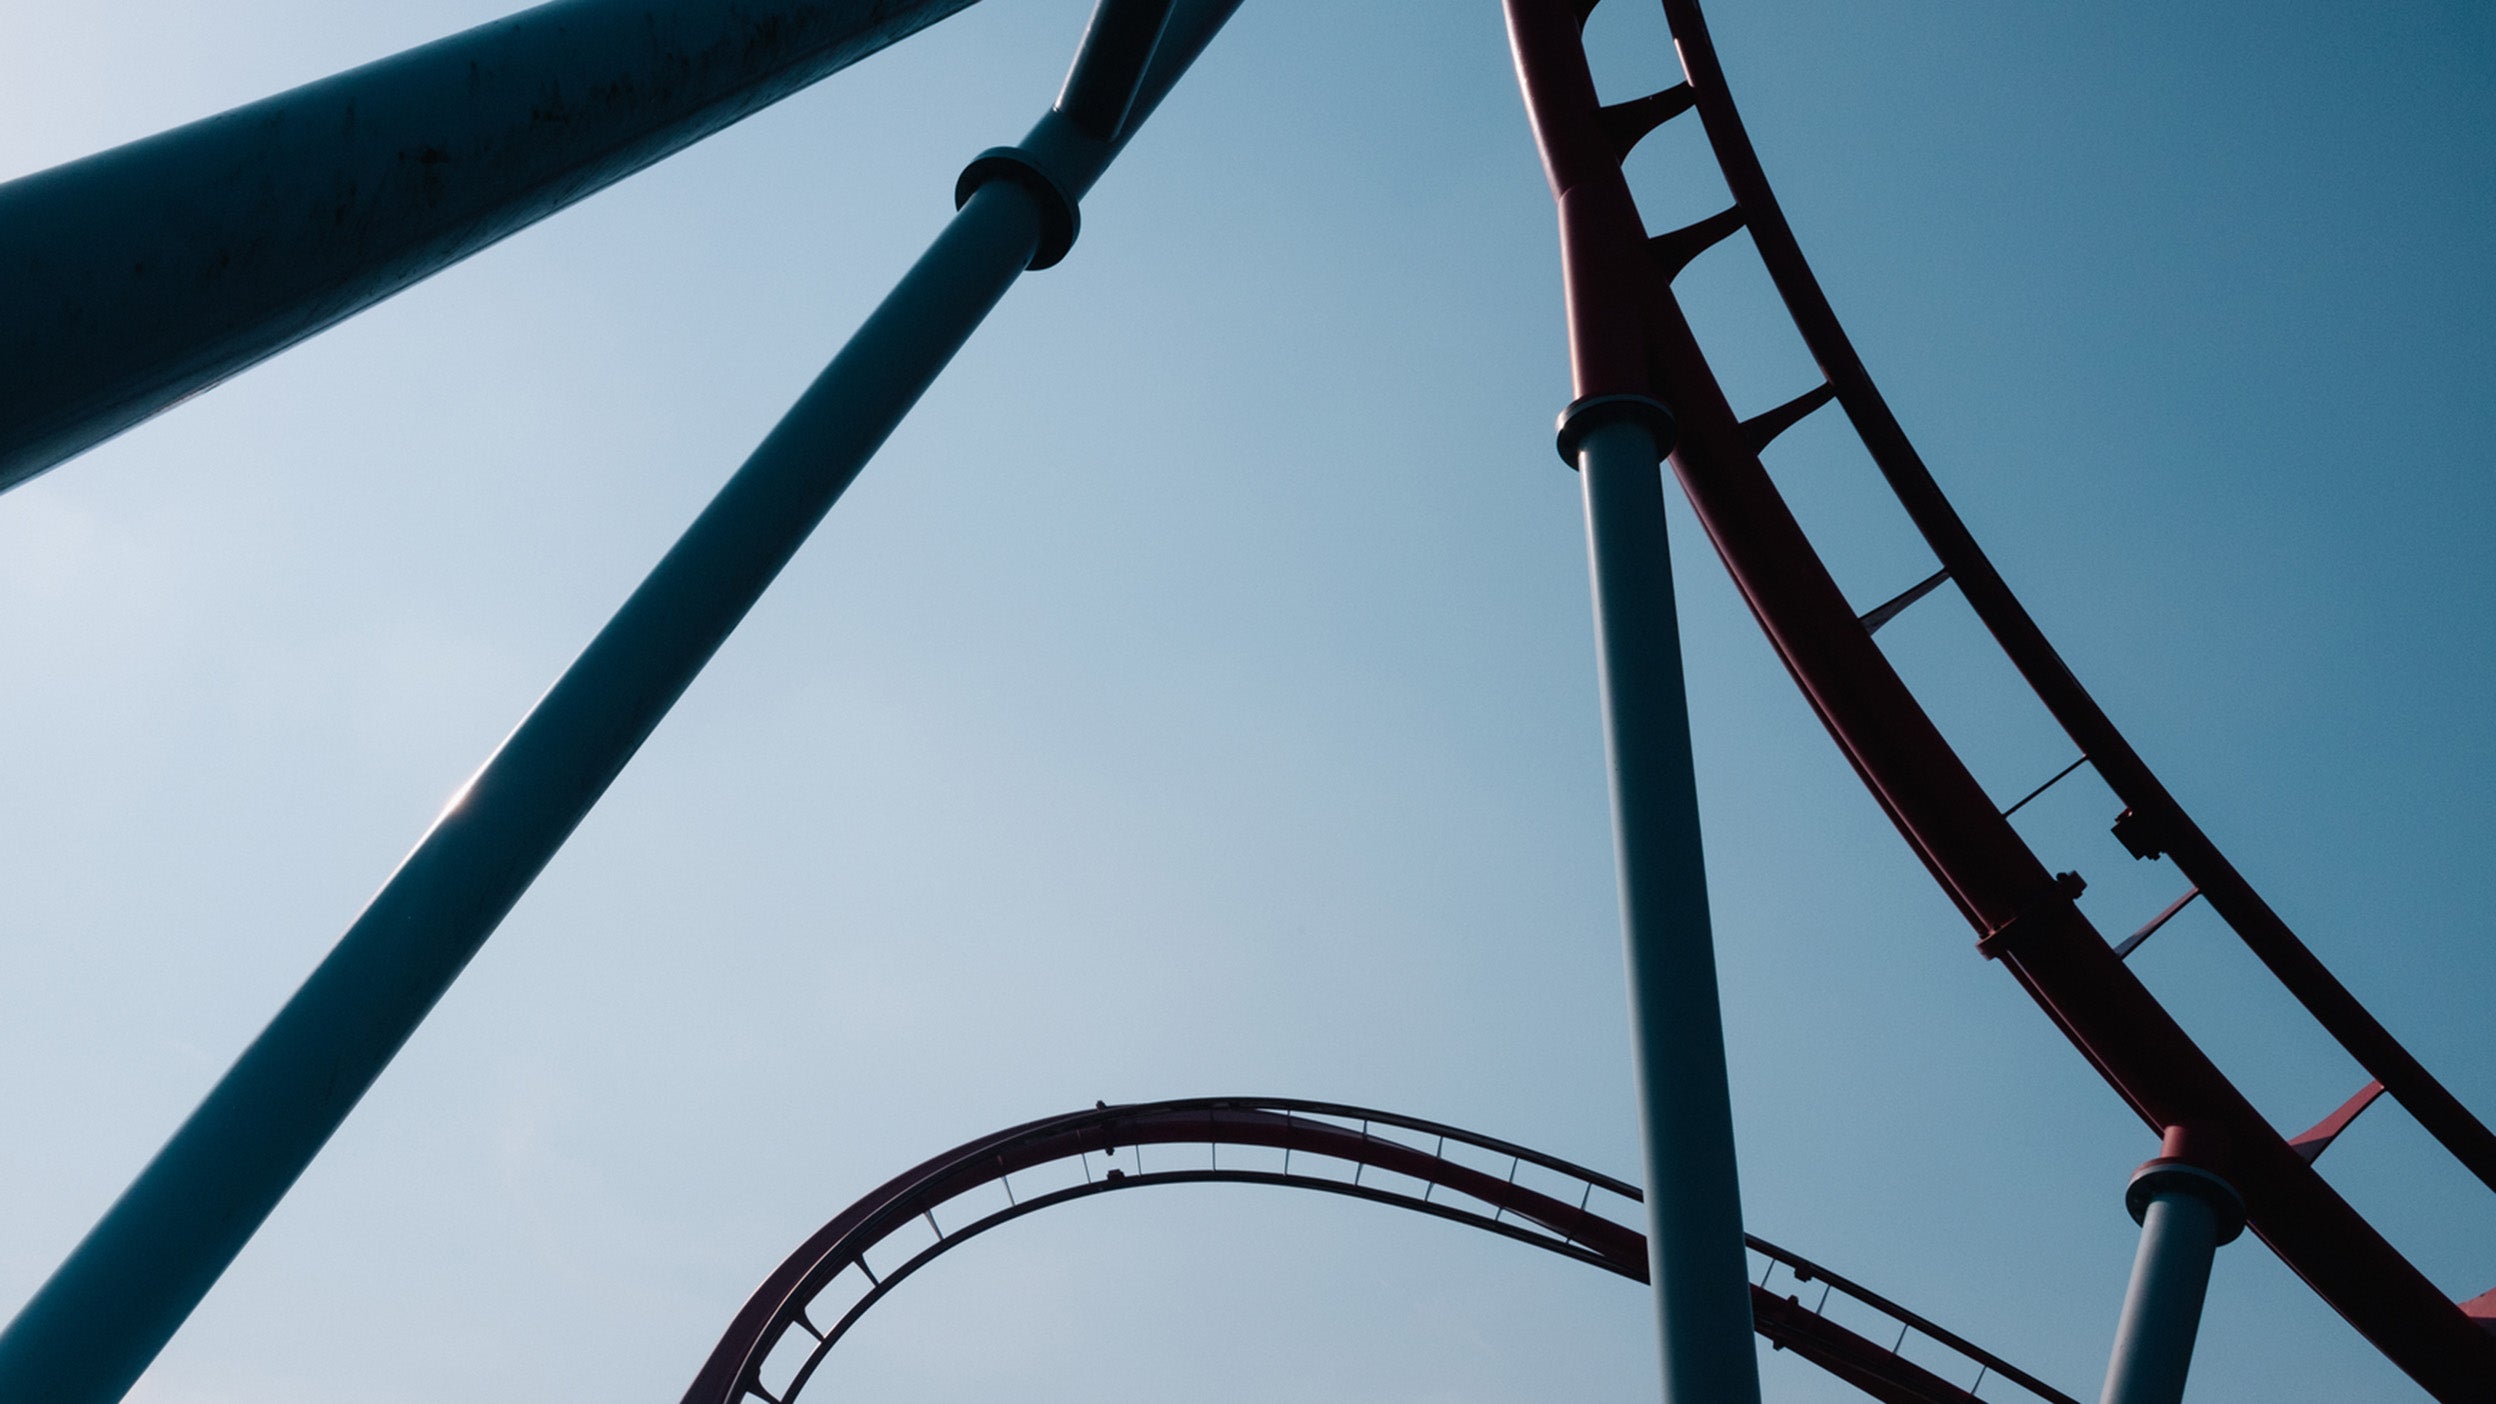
[
  {"x": 135, "y": 278},
  {"x": 761, "y": 1333},
  {"x": 2023, "y": 915},
  {"x": 1805, "y": 1270},
  {"x": 2157, "y": 820},
  {"x": 2154, "y": 821}
]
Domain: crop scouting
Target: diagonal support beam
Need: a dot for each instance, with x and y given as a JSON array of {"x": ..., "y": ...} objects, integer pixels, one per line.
[
  {"x": 135, "y": 278},
  {"x": 92, "y": 1328}
]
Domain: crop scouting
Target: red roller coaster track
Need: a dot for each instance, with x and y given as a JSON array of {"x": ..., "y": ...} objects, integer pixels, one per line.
[
  {"x": 491, "y": 158},
  {"x": 784, "y": 1332},
  {"x": 1629, "y": 337}
]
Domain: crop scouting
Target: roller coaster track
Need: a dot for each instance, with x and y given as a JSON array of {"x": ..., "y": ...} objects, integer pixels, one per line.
[
  {"x": 1629, "y": 337},
  {"x": 783, "y": 1334},
  {"x": 85, "y": 235}
]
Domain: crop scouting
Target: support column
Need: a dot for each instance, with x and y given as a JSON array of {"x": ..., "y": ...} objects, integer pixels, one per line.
[
  {"x": 1695, "y": 1255},
  {"x": 2186, "y": 1213},
  {"x": 95, "y": 1325}
]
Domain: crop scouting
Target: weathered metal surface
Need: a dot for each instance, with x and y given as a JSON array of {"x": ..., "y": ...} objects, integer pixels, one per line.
[{"x": 139, "y": 276}]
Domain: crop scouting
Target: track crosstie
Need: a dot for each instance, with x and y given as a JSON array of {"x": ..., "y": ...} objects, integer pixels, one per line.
[
  {"x": 778, "y": 1341},
  {"x": 1630, "y": 339}
]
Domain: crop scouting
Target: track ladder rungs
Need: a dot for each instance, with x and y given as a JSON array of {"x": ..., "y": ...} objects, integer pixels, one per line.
[
  {"x": 2312, "y": 1142},
  {"x": 1627, "y": 123},
  {"x": 1882, "y": 614},
  {"x": 2133, "y": 942},
  {"x": 1761, "y": 430},
  {"x": 1673, "y": 251},
  {"x": 2041, "y": 789}
]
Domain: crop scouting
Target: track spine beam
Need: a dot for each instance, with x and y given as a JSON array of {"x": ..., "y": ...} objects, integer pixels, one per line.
[
  {"x": 2229, "y": 893},
  {"x": 2041, "y": 937},
  {"x": 2023, "y": 915},
  {"x": 1477, "y": 1198}
]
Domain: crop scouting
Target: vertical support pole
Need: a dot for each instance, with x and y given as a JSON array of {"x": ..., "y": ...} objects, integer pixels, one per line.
[
  {"x": 1695, "y": 1257},
  {"x": 2186, "y": 1213},
  {"x": 1616, "y": 435}
]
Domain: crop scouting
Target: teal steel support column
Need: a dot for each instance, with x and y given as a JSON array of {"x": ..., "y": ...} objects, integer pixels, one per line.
[
  {"x": 135, "y": 278},
  {"x": 90, "y": 1331},
  {"x": 1695, "y": 1255},
  {"x": 2186, "y": 1214}
]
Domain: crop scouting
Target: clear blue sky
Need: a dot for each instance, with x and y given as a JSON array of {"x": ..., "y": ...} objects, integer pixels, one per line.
[{"x": 1196, "y": 697}]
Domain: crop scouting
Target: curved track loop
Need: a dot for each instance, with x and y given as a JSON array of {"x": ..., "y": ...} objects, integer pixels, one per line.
[
  {"x": 1628, "y": 335},
  {"x": 785, "y": 1330}
]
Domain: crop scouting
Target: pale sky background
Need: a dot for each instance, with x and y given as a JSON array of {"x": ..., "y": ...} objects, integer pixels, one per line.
[{"x": 1196, "y": 697}]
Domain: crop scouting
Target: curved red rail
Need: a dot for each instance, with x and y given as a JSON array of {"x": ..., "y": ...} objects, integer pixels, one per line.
[
  {"x": 773, "y": 1348},
  {"x": 1628, "y": 335}
]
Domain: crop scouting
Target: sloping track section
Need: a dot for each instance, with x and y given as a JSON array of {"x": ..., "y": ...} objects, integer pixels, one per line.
[
  {"x": 1635, "y": 340},
  {"x": 782, "y": 1336}
]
